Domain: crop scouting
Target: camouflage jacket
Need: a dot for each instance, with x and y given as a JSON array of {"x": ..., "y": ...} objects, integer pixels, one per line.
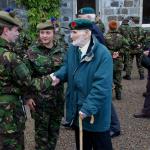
[
  {"x": 125, "y": 31},
  {"x": 15, "y": 81},
  {"x": 44, "y": 61},
  {"x": 100, "y": 24},
  {"x": 22, "y": 44},
  {"x": 15, "y": 75},
  {"x": 137, "y": 42},
  {"x": 60, "y": 40},
  {"x": 115, "y": 42}
]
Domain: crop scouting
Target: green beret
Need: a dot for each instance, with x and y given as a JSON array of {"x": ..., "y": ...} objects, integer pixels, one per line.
[
  {"x": 86, "y": 10},
  {"x": 79, "y": 24},
  {"x": 45, "y": 24},
  {"x": 8, "y": 19}
]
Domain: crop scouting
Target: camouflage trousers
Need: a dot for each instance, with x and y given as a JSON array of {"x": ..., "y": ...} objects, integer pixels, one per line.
[
  {"x": 12, "y": 123},
  {"x": 117, "y": 78},
  {"x": 13, "y": 141},
  {"x": 47, "y": 123},
  {"x": 138, "y": 63},
  {"x": 126, "y": 61}
]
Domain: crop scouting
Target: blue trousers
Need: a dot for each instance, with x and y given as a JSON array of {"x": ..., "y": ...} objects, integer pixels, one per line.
[{"x": 115, "y": 124}]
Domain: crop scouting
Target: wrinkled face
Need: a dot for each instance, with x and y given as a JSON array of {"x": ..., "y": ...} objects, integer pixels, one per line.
[
  {"x": 75, "y": 34},
  {"x": 46, "y": 36},
  {"x": 80, "y": 37},
  {"x": 11, "y": 34}
]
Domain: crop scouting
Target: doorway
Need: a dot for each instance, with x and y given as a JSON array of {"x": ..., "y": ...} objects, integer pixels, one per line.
[
  {"x": 146, "y": 12},
  {"x": 84, "y": 3}
]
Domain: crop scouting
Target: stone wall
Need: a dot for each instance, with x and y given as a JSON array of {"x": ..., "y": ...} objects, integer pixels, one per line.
[
  {"x": 110, "y": 9},
  {"x": 119, "y": 9}
]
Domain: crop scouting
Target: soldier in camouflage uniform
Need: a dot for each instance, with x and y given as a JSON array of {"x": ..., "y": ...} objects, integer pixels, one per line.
[
  {"x": 137, "y": 42},
  {"x": 22, "y": 44},
  {"x": 15, "y": 79},
  {"x": 59, "y": 36},
  {"x": 99, "y": 23},
  {"x": 45, "y": 57},
  {"x": 116, "y": 43},
  {"x": 125, "y": 31}
]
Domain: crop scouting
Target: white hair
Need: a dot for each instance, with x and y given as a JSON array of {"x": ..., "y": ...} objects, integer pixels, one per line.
[{"x": 90, "y": 17}]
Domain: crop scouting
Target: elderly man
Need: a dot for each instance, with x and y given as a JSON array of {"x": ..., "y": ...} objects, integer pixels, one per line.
[
  {"x": 89, "y": 91},
  {"x": 89, "y": 13}
]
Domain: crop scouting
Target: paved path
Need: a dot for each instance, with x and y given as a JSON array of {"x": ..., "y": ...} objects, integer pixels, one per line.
[{"x": 135, "y": 132}]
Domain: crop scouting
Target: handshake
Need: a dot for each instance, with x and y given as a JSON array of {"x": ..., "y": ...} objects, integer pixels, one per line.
[{"x": 55, "y": 80}]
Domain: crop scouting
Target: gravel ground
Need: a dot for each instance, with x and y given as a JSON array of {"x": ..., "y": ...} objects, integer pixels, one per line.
[{"x": 135, "y": 133}]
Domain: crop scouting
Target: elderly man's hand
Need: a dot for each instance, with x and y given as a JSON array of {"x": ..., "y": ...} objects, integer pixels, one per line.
[
  {"x": 82, "y": 115},
  {"x": 55, "y": 80}
]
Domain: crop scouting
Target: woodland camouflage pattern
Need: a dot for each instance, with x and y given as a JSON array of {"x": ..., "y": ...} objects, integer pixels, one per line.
[
  {"x": 137, "y": 42},
  {"x": 49, "y": 105},
  {"x": 125, "y": 31},
  {"x": 115, "y": 42},
  {"x": 15, "y": 80}
]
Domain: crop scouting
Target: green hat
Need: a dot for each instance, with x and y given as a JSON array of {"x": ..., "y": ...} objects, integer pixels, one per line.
[
  {"x": 86, "y": 10},
  {"x": 45, "y": 24},
  {"x": 8, "y": 19},
  {"x": 79, "y": 24}
]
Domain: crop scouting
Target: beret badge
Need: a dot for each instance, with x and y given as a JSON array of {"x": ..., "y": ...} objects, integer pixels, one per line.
[{"x": 73, "y": 24}]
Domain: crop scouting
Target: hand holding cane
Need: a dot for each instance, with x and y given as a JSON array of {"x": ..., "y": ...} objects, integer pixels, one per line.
[{"x": 81, "y": 129}]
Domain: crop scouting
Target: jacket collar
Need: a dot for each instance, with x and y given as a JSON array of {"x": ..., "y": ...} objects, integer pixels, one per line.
[{"x": 90, "y": 52}]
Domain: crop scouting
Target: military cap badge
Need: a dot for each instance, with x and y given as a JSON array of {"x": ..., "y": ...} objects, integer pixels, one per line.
[{"x": 73, "y": 24}]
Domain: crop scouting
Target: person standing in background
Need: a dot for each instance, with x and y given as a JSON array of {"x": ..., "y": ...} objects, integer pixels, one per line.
[{"x": 117, "y": 44}]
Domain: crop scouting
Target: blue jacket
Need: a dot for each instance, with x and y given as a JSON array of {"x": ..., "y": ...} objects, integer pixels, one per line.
[
  {"x": 98, "y": 34},
  {"x": 89, "y": 85}
]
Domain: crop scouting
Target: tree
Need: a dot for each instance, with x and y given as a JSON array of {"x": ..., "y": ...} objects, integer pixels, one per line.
[{"x": 38, "y": 9}]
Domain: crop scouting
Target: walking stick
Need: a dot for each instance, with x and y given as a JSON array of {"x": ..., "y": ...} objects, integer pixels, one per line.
[{"x": 81, "y": 130}]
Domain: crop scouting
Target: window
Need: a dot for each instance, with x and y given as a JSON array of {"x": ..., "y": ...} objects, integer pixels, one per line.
[{"x": 146, "y": 12}]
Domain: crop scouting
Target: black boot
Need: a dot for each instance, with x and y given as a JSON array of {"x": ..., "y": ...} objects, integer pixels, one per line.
[
  {"x": 118, "y": 95},
  {"x": 144, "y": 94},
  {"x": 127, "y": 77},
  {"x": 141, "y": 77}
]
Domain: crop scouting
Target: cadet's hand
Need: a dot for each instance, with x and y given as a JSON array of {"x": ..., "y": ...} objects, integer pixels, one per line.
[
  {"x": 115, "y": 55},
  {"x": 55, "y": 80},
  {"x": 30, "y": 102}
]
